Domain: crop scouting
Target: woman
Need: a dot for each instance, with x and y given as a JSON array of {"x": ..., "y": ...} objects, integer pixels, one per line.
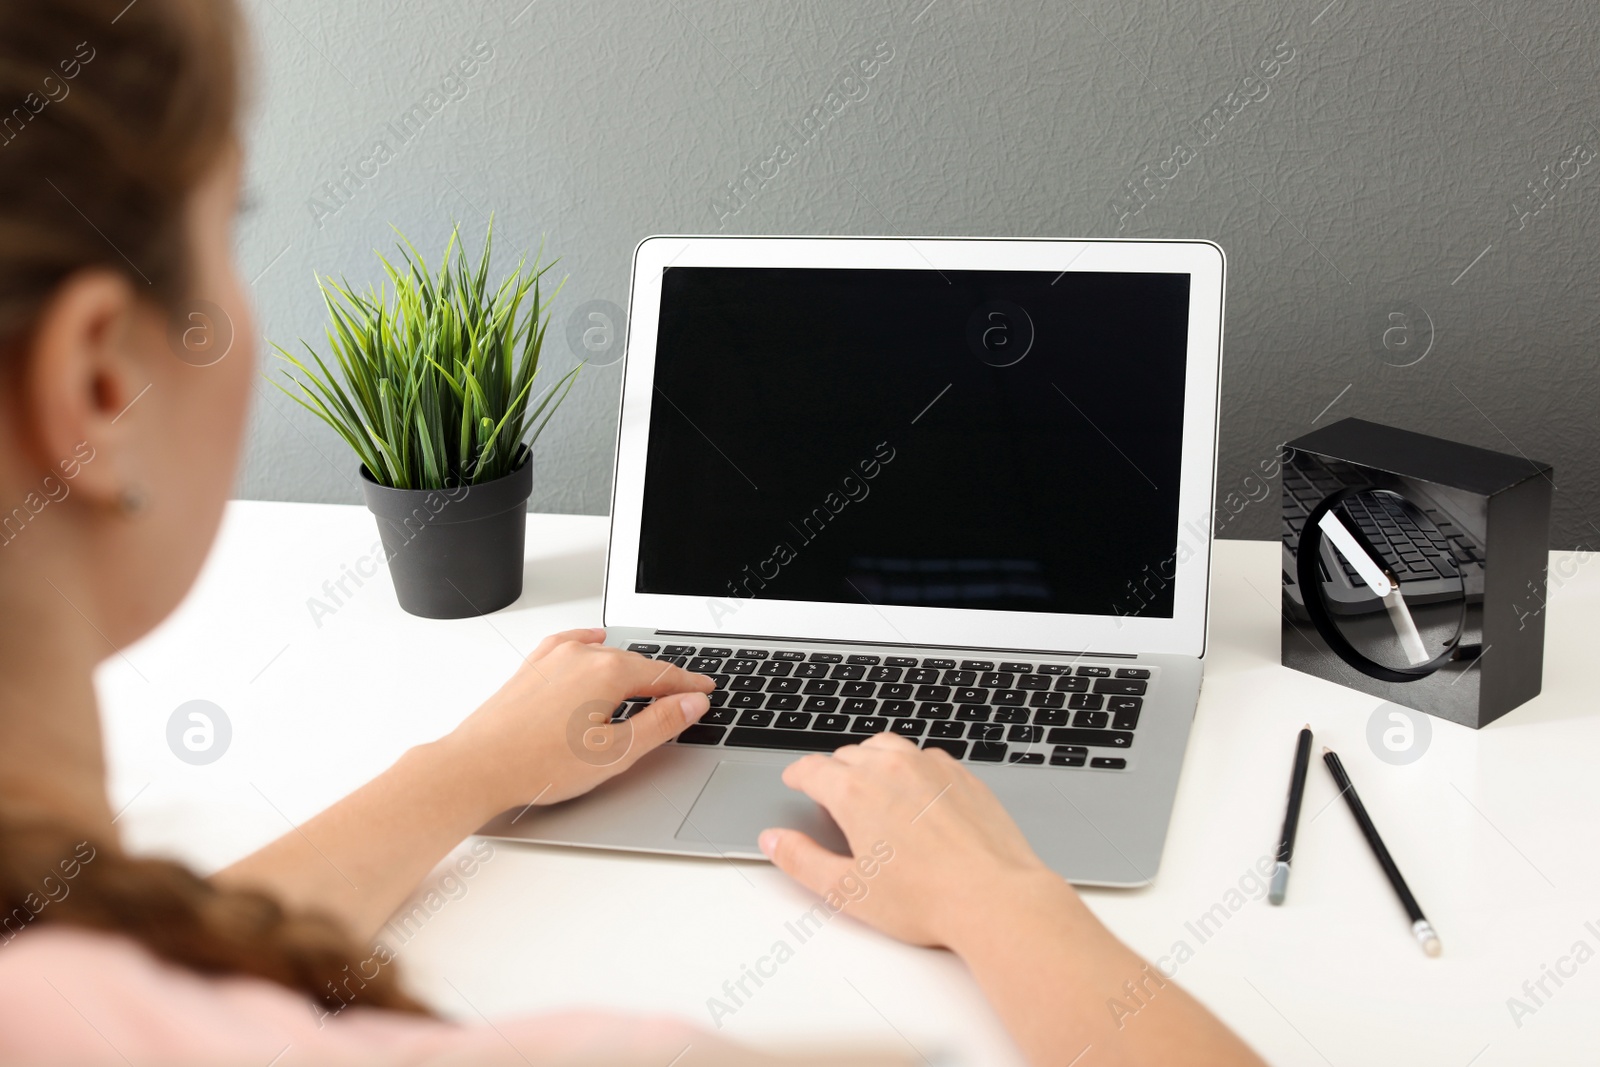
[{"x": 119, "y": 174}]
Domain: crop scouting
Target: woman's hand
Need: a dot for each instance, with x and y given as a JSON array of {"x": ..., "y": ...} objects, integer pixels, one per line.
[
  {"x": 937, "y": 861},
  {"x": 547, "y": 735},
  {"x": 953, "y": 851}
]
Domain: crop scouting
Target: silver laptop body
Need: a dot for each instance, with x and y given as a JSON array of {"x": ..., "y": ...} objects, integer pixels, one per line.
[{"x": 1014, "y": 566}]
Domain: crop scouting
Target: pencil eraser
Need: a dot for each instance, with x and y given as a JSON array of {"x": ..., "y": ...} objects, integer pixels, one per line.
[{"x": 1280, "y": 884}]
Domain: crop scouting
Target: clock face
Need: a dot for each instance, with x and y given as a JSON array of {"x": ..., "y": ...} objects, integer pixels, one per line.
[
  {"x": 1388, "y": 569},
  {"x": 1391, "y": 582}
]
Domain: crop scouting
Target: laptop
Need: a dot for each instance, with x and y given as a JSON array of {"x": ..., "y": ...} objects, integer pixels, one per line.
[{"x": 957, "y": 489}]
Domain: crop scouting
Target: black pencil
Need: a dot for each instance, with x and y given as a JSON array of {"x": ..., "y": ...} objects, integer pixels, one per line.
[
  {"x": 1291, "y": 817},
  {"x": 1420, "y": 928}
]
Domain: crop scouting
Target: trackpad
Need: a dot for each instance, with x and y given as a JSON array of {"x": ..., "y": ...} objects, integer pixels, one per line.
[{"x": 743, "y": 799}]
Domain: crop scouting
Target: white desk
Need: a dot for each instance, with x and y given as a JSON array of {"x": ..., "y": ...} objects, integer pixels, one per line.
[{"x": 1494, "y": 829}]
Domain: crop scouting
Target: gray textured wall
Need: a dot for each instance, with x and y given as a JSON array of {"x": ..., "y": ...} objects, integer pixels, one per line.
[{"x": 1436, "y": 161}]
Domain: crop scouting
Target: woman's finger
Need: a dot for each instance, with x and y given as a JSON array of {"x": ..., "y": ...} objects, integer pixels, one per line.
[
  {"x": 643, "y": 677},
  {"x": 587, "y": 636},
  {"x": 663, "y": 720},
  {"x": 827, "y": 780},
  {"x": 802, "y": 859}
]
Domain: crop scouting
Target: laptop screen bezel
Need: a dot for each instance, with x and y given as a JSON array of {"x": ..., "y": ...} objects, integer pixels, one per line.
[{"x": 1182, "y": 634}]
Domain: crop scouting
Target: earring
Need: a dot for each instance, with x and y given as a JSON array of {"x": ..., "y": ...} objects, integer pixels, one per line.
[{"x": 131, "y": 500}]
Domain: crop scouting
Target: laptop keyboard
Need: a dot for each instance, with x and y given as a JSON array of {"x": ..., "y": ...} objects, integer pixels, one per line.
[{"x": 982, "y": 711}]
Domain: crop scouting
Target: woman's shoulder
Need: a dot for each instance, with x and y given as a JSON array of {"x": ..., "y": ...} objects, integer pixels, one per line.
[{"x": 74, "y": 995}]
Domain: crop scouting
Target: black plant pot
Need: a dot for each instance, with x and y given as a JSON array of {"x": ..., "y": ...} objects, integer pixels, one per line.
[{"x": 454, "y": 553}]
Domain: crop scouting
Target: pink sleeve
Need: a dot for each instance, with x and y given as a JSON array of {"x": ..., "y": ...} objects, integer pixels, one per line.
[{"x": 73, "y": 996}]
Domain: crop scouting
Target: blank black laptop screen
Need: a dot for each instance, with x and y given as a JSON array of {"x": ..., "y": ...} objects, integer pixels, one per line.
[{"x": 1008, "y": 440}]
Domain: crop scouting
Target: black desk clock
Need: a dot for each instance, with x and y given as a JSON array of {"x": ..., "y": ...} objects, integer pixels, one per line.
[{"x": 1414, "y": 568}]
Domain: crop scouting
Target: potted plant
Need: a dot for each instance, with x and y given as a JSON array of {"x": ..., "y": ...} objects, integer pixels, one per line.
[{"x": 434, "y": 392}]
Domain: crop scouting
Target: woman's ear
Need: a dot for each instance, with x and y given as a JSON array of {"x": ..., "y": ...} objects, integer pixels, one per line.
[{"x": 81, "y": 372}]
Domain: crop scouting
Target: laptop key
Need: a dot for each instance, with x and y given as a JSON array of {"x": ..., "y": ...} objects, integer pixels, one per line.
[
  {"x": 870, "y": 724},
  {"x": 717, "y": 653},
  {"x": 933, "y": 692},
  {"x": 834, "y": 723},
  {"x": 811, "y": 670},
  {"x": 1124, "y": 712},
  {"x": 822, "y": 704},
  {"x": 1054, "y": 668},
  {"x": 790, "y": 657},
  {"x": 921, "y": 676},
  {"x": 1010, "y": 698},
  {"x": 740, "y": 666},
  {"x": 747, "y": 700},
  {"x": 756, "y": 718},
  {"x": 985, "y": 731},
  {"x": 859, "y": 706},
  {"x": 745, "y": 684},
  {"x": 987, "y": 752},
  {"x": 783, "y": 702},
  {"x": 1109, "y": 763},
  {"x": 1121, "y": 687},
  {"x": 783, "y": 685},
  {"x": 946, "y": 729},
  {"x": 820, "y": 687},
  {"x": 825, "y": 657},
  {"x": 1033, "y": 681},
  {"x": 959, "y": 677},
  {"x": 751, "y": 653},
  {"x": 1072, "y": 685},
  {"x": 896, "y": 691},
  {"x": 866, "y": 661},
  {"x": 971, "y": 696},
  {"x": 884, "y": 674},
  {"x": 701, "y": 733},
  {"x": 1059, "y": 760},
  {"x": 1070, "y": 735},
  {"x": 793, "y": 720},
  {"x": 857, "y": 689},
  {"x": 900, "y": 661},
  {"x": 997, "y": 680},
  {"x": 775, "y": 668},
  {"x": 1016, "y": 668},
  {"x": 935, "y": 710},
  {"x": 678, "y": 650},
  {"x": 793, "y": 740},
  {"x": 1094, "y": 672},
  {"x": 977, "y": 665},
  {"x": 1050, "y": 717},
  {"x": 939, "y": 664},
  {"x": 705, "y": 665},
  {"x": 1032, "y": 758},
  {"x": 908, "y": 727},
  {"x": 1010, "y": 714},
  {"x": 848, "y": 672},
  {"x": 718, "y": 697},
  {"x": 717, "y": 717},
  {"x": 898, "y": 709},
  {"x": 1133, "y": 672},
  {"x": 1047, "y": 700},
  {"x": 1086, "y": 702},
  {"x": 958, "y": 749},
  {"x": 1024, "y": 734},
  {"x": 972, "y": 713},
  {"x": 1094, "y": 720},
  {"x": 645, "y": 647}
]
